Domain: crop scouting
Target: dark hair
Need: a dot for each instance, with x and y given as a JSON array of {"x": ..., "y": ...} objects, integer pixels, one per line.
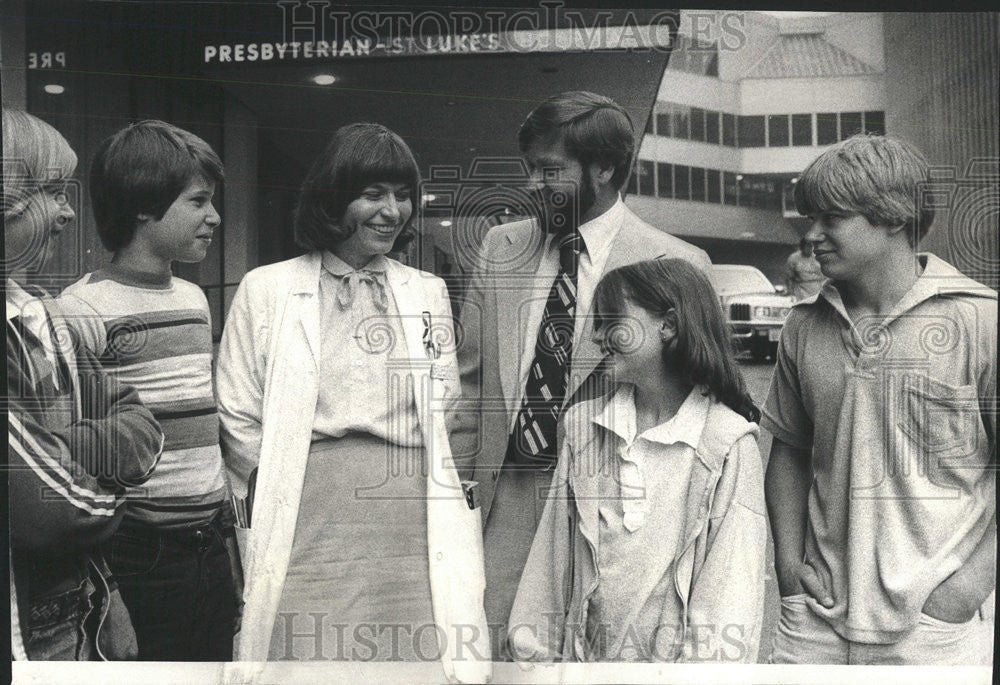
[
  {"x": 592, "y": 128},
  {"x": 703, "y": 353},
  {"x": 357, "y": 156},
  {"x": 878, "y": 177},
  {"x": 143, "y": 169}
]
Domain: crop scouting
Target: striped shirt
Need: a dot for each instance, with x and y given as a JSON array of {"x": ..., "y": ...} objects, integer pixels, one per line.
[{"x": 160, "y": 342}]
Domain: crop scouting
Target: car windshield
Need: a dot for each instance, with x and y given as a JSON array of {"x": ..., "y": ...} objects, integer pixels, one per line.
[{"x": 729, "y": 279}]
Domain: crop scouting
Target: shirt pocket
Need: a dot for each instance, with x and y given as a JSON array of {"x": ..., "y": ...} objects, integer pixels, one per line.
[{"x": 942, "y": 428}]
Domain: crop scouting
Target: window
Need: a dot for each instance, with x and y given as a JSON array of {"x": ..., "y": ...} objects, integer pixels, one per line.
[
  {"x": 698, "y": 124},
  {"x": 763, "y": 192},
  {"x": 777, "y": 130},
  {"x": 650, "y": 124},
  {"x": 850, "y": 124},
  {"x": 632, "y": 185},
  {"x": 646, "y": 184},
  {"x": 664, "y": 179},
  {"x": 714, "y": 188},
  {"x": 682, "y": 183},
  {"x": 729, "y": 129},
  {"x": 802, "y": 129},
  {"x": 826, "y": 128},
  {"x": 730, "y": 188},
  {"x": 712, "y": 127},
  {"x": 875, "y": 122},
  {"x": 663, "y": 118},
  {"x": 751, "y": 131},
  {"x": 697, "y": 184},
  {"x": 680, "y": 117}
]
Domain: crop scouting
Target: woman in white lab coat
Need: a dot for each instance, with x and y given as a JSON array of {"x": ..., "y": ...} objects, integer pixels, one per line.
[{"x": 335, "y": 371}]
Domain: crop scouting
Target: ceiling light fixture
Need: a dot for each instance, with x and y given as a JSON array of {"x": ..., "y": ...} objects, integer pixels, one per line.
[
  {"x": 324, "y": 79},
  {"x": 54, "y": 89}
]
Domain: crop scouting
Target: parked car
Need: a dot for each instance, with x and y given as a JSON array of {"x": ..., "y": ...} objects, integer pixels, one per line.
[{"x": 755, "y": 309}]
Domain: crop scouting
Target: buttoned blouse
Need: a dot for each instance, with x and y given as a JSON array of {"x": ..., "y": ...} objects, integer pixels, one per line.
[
  {"x": 365, "y": 383},
  {"x": 643, "y": 483}
]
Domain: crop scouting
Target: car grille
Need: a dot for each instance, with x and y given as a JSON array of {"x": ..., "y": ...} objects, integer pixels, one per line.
[{"x": 739, "y": 312}]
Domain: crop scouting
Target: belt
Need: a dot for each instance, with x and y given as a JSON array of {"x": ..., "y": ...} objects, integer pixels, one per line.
[{"x": 185, "y": 537}]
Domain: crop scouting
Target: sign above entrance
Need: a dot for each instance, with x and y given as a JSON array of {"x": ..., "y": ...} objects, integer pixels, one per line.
[{"x": 600, "y": 38}]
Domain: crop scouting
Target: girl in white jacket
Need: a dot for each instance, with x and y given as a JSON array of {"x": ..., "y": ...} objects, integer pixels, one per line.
[{"x": 651, "y": 545}]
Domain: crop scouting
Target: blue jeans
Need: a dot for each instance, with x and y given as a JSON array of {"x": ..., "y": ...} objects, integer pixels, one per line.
[
  {"x": 86, "y": 623},
  {"x": 178, "y": 587}
]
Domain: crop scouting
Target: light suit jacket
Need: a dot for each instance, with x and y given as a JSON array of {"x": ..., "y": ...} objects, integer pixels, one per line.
[
  {"x": 268, "y": 384},
  {"x": 500, "y": 302},
  {"x": 718, "y": 569}
]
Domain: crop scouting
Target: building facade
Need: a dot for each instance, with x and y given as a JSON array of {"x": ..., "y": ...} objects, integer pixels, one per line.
[{"x": 740, "y": 113}]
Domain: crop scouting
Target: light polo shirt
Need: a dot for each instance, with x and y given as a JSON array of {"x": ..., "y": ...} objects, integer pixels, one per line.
[
  {"x": 895, "y": 411},
  {"x": 598, "y": 235},
  {"x": 642, "y": 487}
]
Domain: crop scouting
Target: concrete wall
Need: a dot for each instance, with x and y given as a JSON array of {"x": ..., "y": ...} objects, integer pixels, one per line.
[
  {"x": 942, "y": 93},
  {"x": 794, "y": 95}
]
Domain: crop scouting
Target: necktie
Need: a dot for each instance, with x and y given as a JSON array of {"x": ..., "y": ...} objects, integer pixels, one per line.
[{"x": 532, "y": 442}]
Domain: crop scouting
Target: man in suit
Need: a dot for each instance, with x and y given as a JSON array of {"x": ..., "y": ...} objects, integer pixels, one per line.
[{"x": 525, "y": 350}]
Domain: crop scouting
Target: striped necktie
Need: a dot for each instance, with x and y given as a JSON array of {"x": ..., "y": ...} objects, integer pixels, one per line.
[{"x": 532, "y": 442}]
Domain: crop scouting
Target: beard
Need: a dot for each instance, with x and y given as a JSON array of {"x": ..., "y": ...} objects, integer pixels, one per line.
[{"x": 563, "y": 217}]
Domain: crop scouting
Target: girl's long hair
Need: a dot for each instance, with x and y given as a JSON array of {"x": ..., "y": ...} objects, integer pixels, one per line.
[{"x": 703, "y": 352}]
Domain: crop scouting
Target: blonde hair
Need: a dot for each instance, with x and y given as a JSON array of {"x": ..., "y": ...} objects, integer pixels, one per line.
[
  {"x": 34, "y": 155},
  {"x": 878, "y": 177}
]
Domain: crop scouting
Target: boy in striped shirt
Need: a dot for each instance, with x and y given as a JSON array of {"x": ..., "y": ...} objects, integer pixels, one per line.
[{"x": 152, "y": 186}]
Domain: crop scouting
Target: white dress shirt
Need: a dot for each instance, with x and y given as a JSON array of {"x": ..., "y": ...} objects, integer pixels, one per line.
[{"x": 598, "y": 235}]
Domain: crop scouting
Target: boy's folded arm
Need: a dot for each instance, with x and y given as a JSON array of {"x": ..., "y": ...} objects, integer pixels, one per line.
[
  {"x": 56, "y": 506},
  {"x": 117, "y": 440}
]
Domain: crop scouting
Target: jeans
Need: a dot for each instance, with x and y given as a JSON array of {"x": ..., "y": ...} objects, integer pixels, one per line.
[
  {"x": 86, "y": 623},
  {"x": 803, "y": 637},
  {"x": 178, "y": 587}
]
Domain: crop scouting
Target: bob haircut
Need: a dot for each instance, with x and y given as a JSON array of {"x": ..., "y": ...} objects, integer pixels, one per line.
[
  {"x": 357, "y": 156},
  {"x": 877, "y": 177},
  {"x": 35, "y": 156},
  {"x": 592, "y": 128},
  {"x": 703, "y": 353},
  {"x": 143, "y": 169}
]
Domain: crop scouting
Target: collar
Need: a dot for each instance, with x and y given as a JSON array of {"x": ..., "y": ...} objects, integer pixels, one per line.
[
  {"x": 599, "y": 233},
  {"x": 687, "y": 425},
  {"x": 338, "y": 267},
  {"x": 938, "y": 278},
  {"x": 16, "y": 297}
]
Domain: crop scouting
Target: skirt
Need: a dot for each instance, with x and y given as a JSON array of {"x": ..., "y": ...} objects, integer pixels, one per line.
[{"x": 358, "y": 582}]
